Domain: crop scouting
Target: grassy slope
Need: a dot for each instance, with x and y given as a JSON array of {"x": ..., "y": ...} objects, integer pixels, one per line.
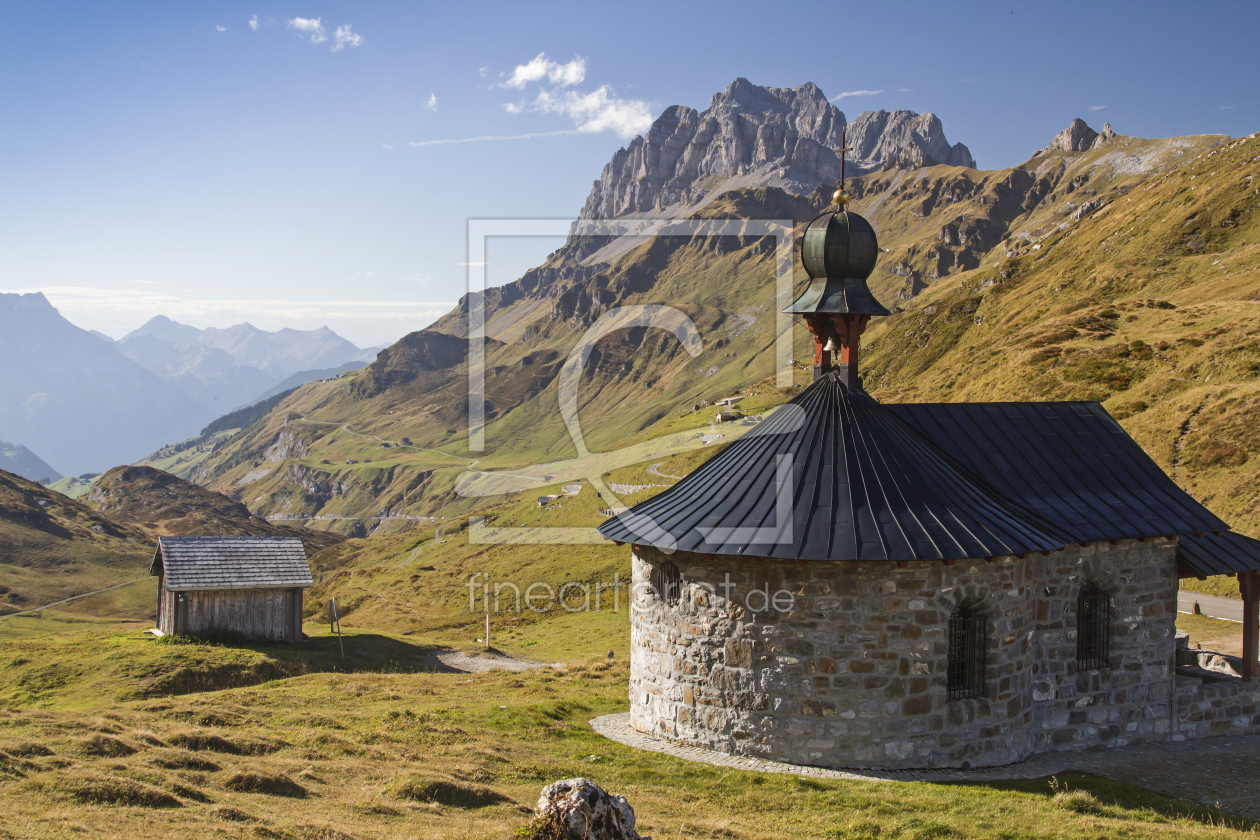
[
  {"x": 376, "y": 755},
  {"x": 54, "y": 547}
]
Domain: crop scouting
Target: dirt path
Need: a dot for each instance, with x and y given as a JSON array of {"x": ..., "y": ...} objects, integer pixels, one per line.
[{"x": 655, "y": 470}]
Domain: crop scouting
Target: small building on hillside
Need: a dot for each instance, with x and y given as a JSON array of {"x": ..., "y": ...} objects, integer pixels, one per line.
[{"x": 249, "y": 586}]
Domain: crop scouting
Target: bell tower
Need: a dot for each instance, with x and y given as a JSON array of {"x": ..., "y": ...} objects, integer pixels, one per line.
[{"x": 839, "y": 250}]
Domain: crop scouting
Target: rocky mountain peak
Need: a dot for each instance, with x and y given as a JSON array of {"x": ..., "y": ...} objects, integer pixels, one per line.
[
  {"x": 1079, "y": 137},
  {"x": 754, "y": 136}
]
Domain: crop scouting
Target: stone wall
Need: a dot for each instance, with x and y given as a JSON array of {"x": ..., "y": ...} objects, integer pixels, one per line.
[
  {"x": 852, "y": 672},
  {"x": 1216, "y": 705}
]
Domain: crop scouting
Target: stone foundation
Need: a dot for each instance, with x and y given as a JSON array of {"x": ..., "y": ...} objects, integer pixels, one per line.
[{"x": 844, "y": 665}]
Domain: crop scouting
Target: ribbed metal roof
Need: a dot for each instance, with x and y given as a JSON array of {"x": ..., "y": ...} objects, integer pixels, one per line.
[
  {"x": 856, "y": 482},
  {"x": 1070, "y": 463},
  {"x": 1224, "y": 554},
  {"x": 232, "y": 563}
]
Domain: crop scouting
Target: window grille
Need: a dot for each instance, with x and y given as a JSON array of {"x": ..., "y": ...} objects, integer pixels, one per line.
[
  {"x": 666, "y": 581},
  {"x": 968, "y": 631},
  {"x": 1093, "y": 627}
]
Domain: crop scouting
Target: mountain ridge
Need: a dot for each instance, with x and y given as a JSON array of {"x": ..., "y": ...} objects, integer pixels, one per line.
[{"x": 752, "y": 136}]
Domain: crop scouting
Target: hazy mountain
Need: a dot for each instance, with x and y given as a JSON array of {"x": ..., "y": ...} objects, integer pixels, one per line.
[
  {"x": 76, "y": 400},
  {"x": 207, "y": 375},
  {"x": 283, "y": 352},
  {"x": 18, "y": 459},
  {"x": 223, "y": 369}
]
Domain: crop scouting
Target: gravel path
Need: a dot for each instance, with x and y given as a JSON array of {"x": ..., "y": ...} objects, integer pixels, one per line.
[
  {"x": 1219, "y": 772},
  {"x": 478, "y": 663}
]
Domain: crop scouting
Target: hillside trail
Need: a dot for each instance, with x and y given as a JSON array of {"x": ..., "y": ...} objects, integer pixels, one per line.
[
  {"x": 1179, "y": 445},
  {"x": 72, "y": 598},
  {"x": 655, "y": 470}
]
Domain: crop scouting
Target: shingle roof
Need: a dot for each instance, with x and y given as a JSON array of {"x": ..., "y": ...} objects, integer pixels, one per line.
[
  {"x": 232, "y": 562},
  {"x": 861, "y": 484},
  {"x": 1224, "y": 554},
  {"x": 1070, "y": 463}
]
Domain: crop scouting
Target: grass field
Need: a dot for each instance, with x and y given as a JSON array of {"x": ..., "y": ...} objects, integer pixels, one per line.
[{"x": 385, "y": 751}]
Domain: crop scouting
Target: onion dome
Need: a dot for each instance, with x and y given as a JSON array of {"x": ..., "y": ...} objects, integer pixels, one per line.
[{"x": 839, "y": 251}]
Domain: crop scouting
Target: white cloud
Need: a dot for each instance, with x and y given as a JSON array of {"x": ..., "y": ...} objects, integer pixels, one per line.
[
  {"x": 310, "y": 26},
  {"x": 856, "y": 93},
  {"x": 431, "y": 102},
  {"x": 418, "y": 279},
  {"x": 220, "y": 27},
  {"x": 482, "y": 71},
  {"x": 1096, "y": 107},
  {"x": 489, "y": 137},
  {"x": 387, "y": 147},
  {"x": 253, "y": 22},
  {"x": 343, "y": 37},
  {"x": 542, "y": 67},
  {"x": 146, "y": 282},
  {"x": 904, "y": 90},
  {"x": 1227, "y": 107},
  {"x": 596, "y": 111}
]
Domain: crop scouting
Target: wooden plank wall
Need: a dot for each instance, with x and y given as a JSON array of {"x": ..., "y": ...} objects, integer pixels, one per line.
[
  {"x": 166, "y": 617},
  {"x": 272, "y": 614}
]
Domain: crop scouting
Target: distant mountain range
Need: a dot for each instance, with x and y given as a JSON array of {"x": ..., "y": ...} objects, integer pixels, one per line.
[
  {"x": 88, "y": 403},
  {"x": 225, "y": 369}
]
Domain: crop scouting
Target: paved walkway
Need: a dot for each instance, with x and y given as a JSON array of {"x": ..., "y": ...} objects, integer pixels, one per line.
[
  {"x": 1213, "y": 606},
  {"x": 1222, "y": 771}
]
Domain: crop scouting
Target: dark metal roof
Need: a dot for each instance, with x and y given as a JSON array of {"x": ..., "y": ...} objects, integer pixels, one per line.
[
  {"x": 232, "y": 563},
  {"x": 1224, "y": 554},
  {"x": 857, "y": 483},
  {"x": 1070, "y": 463}
]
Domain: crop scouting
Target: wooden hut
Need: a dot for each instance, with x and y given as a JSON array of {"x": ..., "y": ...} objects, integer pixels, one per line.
[{"x": 250, "y": 586}]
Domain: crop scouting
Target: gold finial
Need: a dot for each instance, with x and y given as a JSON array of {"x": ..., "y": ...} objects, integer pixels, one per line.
[{"x": 840, "y": 197}]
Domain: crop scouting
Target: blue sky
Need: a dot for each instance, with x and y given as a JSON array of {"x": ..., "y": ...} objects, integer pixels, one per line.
[{"x": 176, "y": 158}]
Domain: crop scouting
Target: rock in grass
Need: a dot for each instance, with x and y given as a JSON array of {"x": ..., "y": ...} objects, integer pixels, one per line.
[{"x": 579, "y": 809}]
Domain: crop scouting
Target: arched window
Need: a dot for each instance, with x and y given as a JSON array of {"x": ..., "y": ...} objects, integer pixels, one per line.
[
  {"x": 968, "y": 630},
  {"x": 1093, "y": 627},
  {"x": 666, "y": 581}
]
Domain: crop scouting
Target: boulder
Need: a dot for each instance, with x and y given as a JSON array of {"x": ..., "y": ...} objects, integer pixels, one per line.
[{"x": 579, "y": 809}]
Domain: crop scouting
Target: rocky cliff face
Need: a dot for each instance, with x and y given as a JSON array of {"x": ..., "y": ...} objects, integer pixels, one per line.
[{"x": 753, "y": 136}]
